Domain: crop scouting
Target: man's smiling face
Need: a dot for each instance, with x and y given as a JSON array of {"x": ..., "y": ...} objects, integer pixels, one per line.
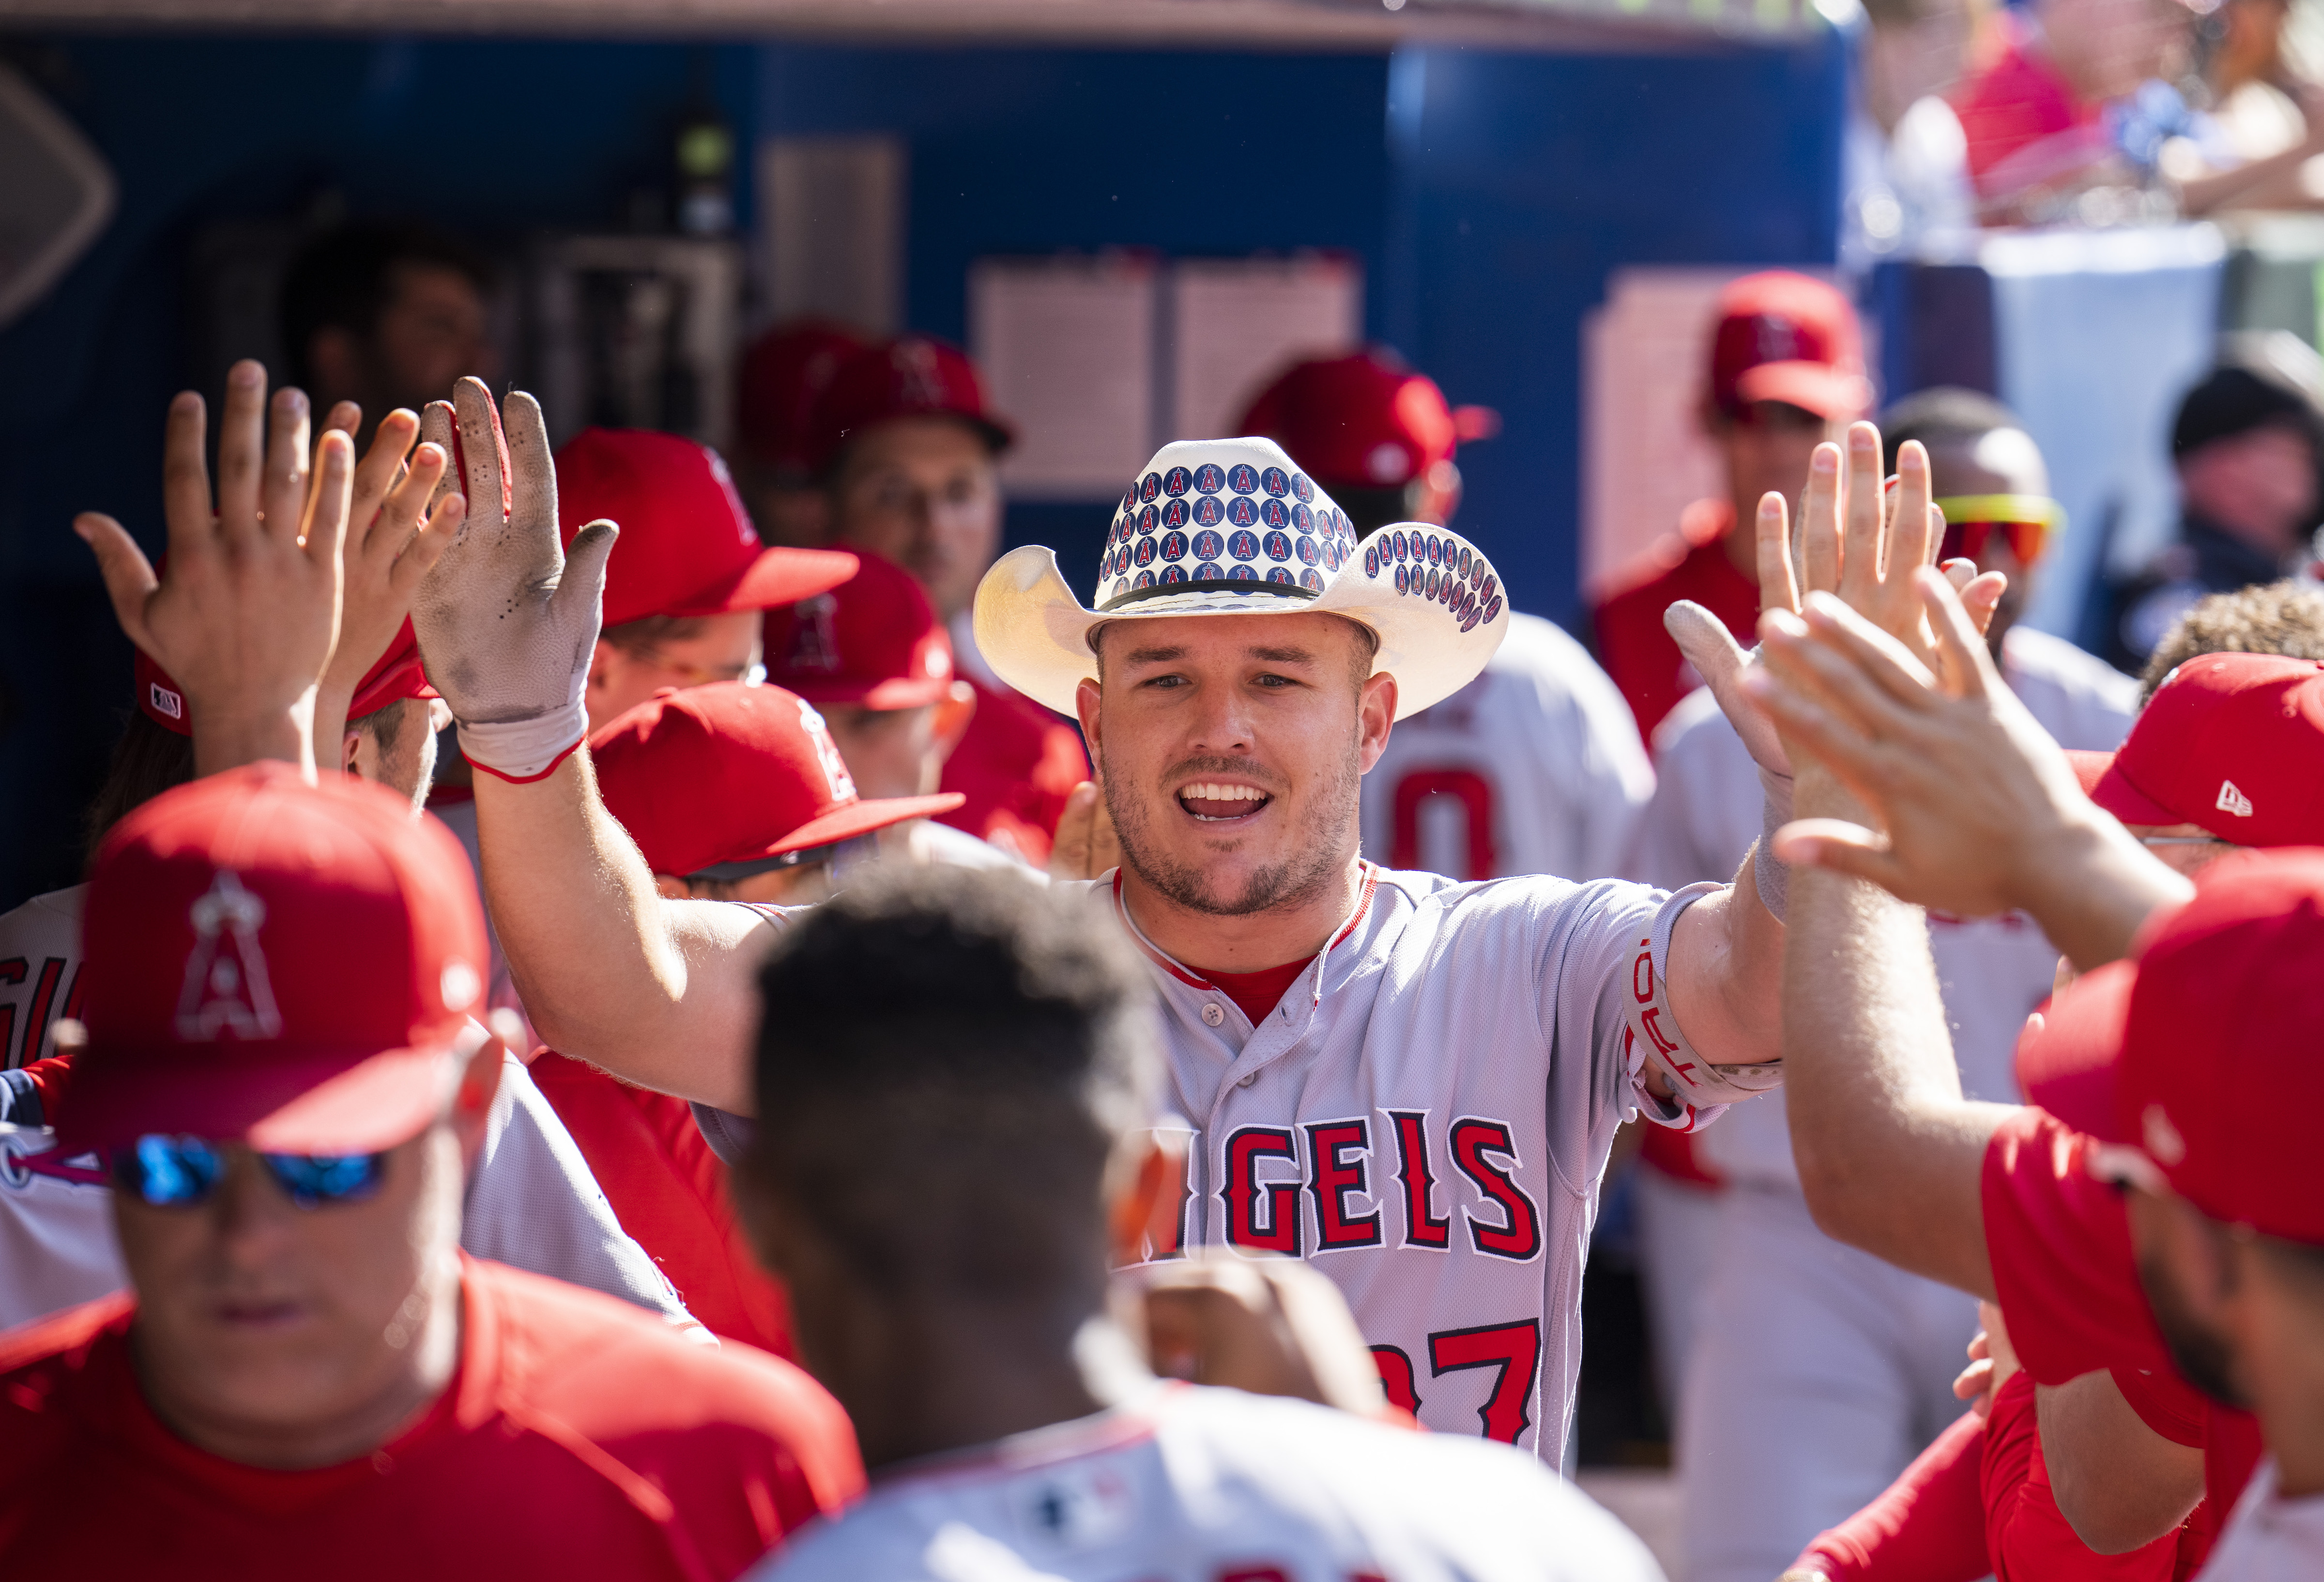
[{"x": 1232, "y": 750}]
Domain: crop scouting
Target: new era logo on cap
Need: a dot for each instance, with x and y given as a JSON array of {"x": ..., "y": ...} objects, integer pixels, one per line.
[{"x": 2232, "y": 801}]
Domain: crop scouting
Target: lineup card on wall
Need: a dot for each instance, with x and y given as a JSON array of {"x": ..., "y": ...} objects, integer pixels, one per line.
[
  {"x": 1235, "y": 322},
  {"x": 1068, "y": 348}
]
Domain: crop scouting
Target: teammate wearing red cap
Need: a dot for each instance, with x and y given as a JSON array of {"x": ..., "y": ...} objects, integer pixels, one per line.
[
  {"x": 1849, "y": 1361},
  {"x": 1787, "y": 371},
  {"x": 873, "y": 659},
  {"x": 732, "y": 793},
  {"x": 907, "y": 447},
  {"x": 2218, "y": 721},
  {"x": 1535, "y": 767},
  {"x": 229, "y": 597},
  {"x": 689, "y": 583},
  {"x": 53, "y": 1244},
  {"x": 1979, "y": 809},
  {"x": 782, "y": 375},
  {"x": 284, "y": 1079}
]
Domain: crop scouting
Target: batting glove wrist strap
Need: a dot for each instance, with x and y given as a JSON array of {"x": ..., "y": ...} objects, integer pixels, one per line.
[
  {"x": 525, "y": 750},
  {"x": 1657, "y": 1039}
]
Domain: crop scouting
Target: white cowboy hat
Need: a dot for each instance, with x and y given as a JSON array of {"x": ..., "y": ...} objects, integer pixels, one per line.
[{"x": 1232, "y": 527}]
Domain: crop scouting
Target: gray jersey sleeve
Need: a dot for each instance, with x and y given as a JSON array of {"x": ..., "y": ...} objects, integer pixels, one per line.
[
  {"x": 1589, "y": 953},
  {"x": 533, "y": 1204}
]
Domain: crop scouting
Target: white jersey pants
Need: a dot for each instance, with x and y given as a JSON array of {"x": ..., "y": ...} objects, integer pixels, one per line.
[
  {"x": 1818, "y": 1373},
  {"x": 1678, "y": 1237}
]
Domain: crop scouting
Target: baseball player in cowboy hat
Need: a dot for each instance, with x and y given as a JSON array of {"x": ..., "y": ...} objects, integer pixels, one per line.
[{"x": 1411, "y": 1081}]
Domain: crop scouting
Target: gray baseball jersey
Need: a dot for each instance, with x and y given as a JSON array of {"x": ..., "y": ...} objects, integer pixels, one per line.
[
  {"x": 1424, "y": 1117},
  {"x": 1196, "y": 1485},
  {"x": 1534, "y": 767}
]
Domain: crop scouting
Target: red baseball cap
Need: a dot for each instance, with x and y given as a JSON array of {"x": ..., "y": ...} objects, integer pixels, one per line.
[
  {"x": 913, "y": 376},
  {"x": 290, "y": 965},
  {"x": 873, "y": 641},
  {"x": 398, "y": 675},
  {"x": 1783, "y": 337},
  {"x": 734, "y": 773},
  {"x": 688, "y": 546},
  {"x": 2231, "y": 742},
  {"x": 783, "y": 373},
  {"x": 1364, "y": 421},
  {"x": 2225, "y": 1020}
]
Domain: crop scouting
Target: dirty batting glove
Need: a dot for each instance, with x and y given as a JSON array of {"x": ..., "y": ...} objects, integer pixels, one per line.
[{"x": 506, "y": 621}]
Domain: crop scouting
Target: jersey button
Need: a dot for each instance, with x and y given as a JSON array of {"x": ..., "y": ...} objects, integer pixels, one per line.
[
  {"x": 1246, "y": 1079},
  {"x": 1211, "y": 1014}
]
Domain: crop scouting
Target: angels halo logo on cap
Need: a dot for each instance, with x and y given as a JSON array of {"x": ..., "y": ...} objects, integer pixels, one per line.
[
  {"x": 1287, "y": 550},
  {"x": 226, "y": 986}
]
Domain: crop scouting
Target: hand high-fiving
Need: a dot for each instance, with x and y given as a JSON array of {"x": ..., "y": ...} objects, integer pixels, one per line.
[
  {"x": 1858, "y": 538},
  {"x": 506, "y": 620},
  {"x": 246, "y": 614}
]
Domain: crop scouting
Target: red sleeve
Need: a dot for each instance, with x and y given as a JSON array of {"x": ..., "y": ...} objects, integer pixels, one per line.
[
  {"x": 1017, "y": 764},
  {"x": 2164, "y": 1403},
  {"x": 2028, "y": 1536},
  {"x": 1928, "y": 1526},
  {"x": 50, "y": 1079},
  {"x": 669, "y": 1192},
  {"x": 2062, "y": 1266}
]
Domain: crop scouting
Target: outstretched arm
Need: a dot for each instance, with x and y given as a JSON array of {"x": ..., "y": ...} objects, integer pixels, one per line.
[
  {"x": 653, "y": 990},
  {"x": 1889, "y": 1153}
]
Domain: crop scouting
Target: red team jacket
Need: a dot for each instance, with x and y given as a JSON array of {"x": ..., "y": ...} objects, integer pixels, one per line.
[
  {"x": 1016, "y": 765},
  {"x": 669, "y": 1192}
]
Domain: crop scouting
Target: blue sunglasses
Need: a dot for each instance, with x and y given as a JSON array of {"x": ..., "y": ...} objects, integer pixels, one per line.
[{"x": 163, "y": 1171}]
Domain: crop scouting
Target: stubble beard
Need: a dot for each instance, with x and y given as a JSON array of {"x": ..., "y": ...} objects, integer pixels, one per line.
[
  {"x": 2199, "y": 1352},
  {"x": 1316, "y": 864}
]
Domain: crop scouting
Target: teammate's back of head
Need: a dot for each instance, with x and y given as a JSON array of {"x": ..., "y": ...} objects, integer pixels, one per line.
[{"x": 948, "y": 1064}]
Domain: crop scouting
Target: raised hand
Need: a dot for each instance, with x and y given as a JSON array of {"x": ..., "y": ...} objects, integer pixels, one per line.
[
  {"x": 395, "y": 536},
  {"x": 506, "y": 620},
  {"x": 1268, "y": 1325},
  {"x": 246, "y": 614},
  {"x": 1978, "y": 810},
  {"x": 1858, "y": 539}
]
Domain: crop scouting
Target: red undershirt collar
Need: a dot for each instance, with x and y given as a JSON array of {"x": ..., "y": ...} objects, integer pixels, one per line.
[{"x": 1254, "y": 994}]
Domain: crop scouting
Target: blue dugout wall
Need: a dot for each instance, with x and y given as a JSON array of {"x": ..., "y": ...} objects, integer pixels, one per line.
[{"x": 1487, "y": 196}]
